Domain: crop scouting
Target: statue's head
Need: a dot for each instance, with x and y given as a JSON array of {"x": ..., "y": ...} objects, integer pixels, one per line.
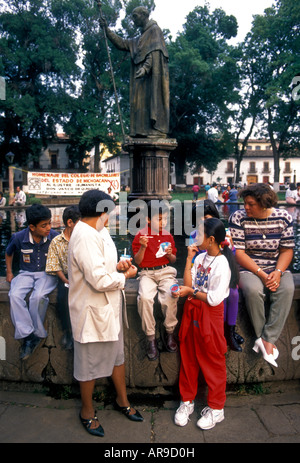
[{"x": 140, "y": 16}]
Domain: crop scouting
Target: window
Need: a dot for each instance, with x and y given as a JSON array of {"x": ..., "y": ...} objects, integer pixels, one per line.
[
  {"x": 252, "y": 167},
  {"x": 266, "y": 168},
  {"x": 229, "y": 167},
  {"x": 257, "y": 147},
  {"x": 53, "y": 159},
  {"x": 198, "y": 180}
]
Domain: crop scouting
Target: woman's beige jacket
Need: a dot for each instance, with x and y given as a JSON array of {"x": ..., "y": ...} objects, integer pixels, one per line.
[{"x": 95, "y": 292}]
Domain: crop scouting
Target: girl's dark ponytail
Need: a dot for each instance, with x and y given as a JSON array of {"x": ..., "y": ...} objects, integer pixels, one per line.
[
  {"x": 235, "y": 274},
  {"x": 214, "y": 227}
]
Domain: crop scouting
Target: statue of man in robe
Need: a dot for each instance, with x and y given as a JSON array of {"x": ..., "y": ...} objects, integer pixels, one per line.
[{"x": 149, "y": 79}]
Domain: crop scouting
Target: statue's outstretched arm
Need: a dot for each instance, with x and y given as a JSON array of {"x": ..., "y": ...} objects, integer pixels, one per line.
[{"x": 117, "y": 41}]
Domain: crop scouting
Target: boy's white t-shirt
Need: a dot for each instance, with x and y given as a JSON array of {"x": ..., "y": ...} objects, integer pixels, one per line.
[{"x": 211, "y": 275}]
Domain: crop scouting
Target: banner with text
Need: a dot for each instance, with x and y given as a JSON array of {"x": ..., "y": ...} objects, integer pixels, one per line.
[{"x": 59, "y": 184}]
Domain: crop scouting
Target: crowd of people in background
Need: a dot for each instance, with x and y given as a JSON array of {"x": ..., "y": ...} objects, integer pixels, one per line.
[{"x": 292, "y": 194}]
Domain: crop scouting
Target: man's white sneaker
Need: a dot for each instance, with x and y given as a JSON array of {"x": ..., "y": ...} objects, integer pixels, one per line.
[
  {"x": 183, "y": 412},
  {"x": 210, "y": 417}
]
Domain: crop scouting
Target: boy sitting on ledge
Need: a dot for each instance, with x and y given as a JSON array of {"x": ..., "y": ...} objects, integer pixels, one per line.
[
  {"x": 57, "y": 265},
  {"x": 154, "y": 249},
  {"x": 32, "y": 243}
]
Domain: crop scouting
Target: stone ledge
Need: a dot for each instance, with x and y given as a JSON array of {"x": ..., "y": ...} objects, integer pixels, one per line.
[{"x": 52, "y": 364}]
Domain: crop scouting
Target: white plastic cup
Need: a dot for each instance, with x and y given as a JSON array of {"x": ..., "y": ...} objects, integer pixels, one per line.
[{"x": 174, "y": 289}]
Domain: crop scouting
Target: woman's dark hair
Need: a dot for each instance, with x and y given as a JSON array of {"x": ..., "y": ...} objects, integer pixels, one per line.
[
  {"x": 292, "y": 187},
  {"x": 209, "y": 209},
  {"x": 262, "y": 193},
  {"x": 71, "y": 212},
  {"x": 36, "y": 213},
  {"x": 93, "y": 203},
  {"x": 215, "y": 227}
]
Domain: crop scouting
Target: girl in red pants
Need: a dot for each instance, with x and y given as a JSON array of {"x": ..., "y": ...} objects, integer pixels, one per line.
[{"x": 202, "y": 342}]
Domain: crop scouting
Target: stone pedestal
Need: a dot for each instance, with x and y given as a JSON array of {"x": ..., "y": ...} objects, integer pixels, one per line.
[{"x": 149, "y": 162}]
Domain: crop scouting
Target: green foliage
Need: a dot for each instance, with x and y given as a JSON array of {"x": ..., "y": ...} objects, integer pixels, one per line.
[
  {"x": 93, "y": 117},
  {"x": 252, "y": 389},
  {"x": 39, "y": 51},
  {"x": 275, "y": 42},
  {"x": 203, "y": 77}
]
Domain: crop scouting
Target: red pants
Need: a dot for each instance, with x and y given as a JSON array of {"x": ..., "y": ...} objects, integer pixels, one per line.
[{"x": 203, "y": 346}]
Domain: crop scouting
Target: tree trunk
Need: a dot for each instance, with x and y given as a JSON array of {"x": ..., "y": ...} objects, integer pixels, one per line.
[
  {"x": 238, "y": 169},
  {"x": 97, "y": 158},
  {"x": 239, "y": 154},
  {"x": 180, "y": 169},
  {"x": 276, "y": 153}
]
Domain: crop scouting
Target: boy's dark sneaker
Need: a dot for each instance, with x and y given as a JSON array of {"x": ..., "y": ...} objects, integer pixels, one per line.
[
  {"x": 171, "y": 343},
  {"x": 29, "y": 345},
  {"x": 152, "y": 352}
]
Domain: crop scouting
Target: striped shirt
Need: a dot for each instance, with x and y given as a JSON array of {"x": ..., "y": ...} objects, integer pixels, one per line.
[{"x": 261, "y": 239}]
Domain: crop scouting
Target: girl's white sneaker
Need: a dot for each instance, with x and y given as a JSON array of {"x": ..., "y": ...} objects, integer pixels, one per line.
[
  {"x": 210, "y": 417},
  {"x": 183, "y": 412}
]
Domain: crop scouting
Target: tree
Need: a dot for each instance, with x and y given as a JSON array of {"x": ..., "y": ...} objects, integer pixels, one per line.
[
  {"x": 39, "y": 52},
  {"x": 246, "y": 112},
  {"x": 203, "y": 77},
  {"x": 275, "y": 39},
  {"x": 94, "y": 117}
]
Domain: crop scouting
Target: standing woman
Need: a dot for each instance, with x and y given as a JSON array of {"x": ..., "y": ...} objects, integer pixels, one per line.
[
  {"x": 264, "y": 240},
  {"x": 96, "y": 282}
]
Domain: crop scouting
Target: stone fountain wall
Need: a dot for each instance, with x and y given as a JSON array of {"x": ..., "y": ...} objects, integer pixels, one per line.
[{"x": 50, "y": 363}]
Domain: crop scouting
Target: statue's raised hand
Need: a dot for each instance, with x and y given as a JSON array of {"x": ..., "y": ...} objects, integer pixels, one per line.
[{"x": 103, "y": 23}]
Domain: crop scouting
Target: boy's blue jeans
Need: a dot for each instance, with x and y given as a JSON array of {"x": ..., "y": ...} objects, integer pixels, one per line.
[{"x": 29, "y": 318}]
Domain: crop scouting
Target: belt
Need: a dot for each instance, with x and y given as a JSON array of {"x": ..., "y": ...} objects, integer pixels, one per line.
[{"x": 159, "y": 267}]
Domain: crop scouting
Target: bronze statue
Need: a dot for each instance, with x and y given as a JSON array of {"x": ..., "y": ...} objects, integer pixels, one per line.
[{"x": 149, "y": 79}]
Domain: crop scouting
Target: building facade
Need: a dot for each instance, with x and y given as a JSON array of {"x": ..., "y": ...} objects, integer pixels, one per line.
[
  {"x": 55, "y": 156},
  {"x": 257, "y": 166},
  {"x": 118, "y": 163}
]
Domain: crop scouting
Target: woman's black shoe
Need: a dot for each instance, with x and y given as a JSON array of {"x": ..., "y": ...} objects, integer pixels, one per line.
[
  {"x": 126, "y": 411},
  {"x": 87, "y": 425}
]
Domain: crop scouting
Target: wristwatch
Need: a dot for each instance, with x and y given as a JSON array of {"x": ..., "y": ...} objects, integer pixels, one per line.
[{"x": 195, "y": 292}]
